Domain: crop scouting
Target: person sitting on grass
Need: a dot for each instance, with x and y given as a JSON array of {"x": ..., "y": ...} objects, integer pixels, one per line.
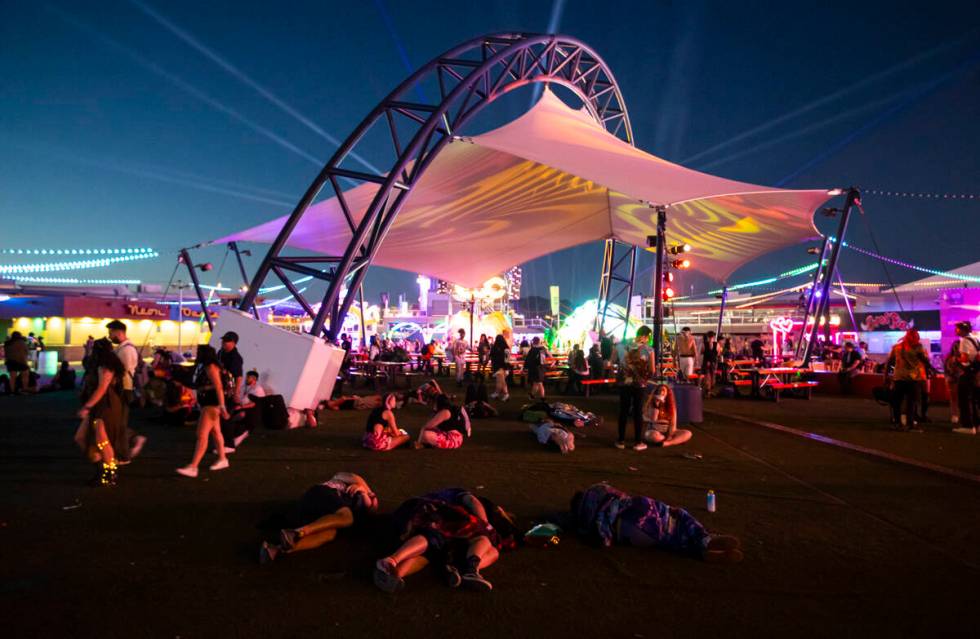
[
  {"x": 382, "y": 433},
  {"x": 660, "y": 414},
  {"x": 446, "y": 427},
  {"x": 610, "y": 516},
  {"x": 547, "y": 431},
  {"x": 426, "y": 394},
  {"x": 321, "y": 512},
  {"x": 439, "y": 528}
]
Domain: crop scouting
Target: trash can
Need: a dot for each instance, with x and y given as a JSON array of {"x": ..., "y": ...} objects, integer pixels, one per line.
[{"x": 689, "y": 406}]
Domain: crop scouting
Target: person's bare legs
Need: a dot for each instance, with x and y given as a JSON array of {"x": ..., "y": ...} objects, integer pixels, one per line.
[
  {"x": 679, "y": 436},
  {"x": 427, "y": 437},
  {"x": 398, "y": 440},
  {"x": 389, "y": 572},
  {"x": 343, "y": 518},
  {"x": 480, "y": 554},
  {"x": 311, "y": 541},
  {"x": 209, "y": 420}
]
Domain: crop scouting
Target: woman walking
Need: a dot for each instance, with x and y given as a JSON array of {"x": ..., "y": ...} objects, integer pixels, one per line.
[
  {"x": 103, "y": 431},
  {"x": 211, "y": 398},
  {"x": 500, "y": 367}
]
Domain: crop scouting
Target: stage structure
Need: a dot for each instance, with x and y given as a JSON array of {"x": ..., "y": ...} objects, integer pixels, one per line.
[
  {"x": 618, "y": 269},
  {"x": 468, "y": 77}
]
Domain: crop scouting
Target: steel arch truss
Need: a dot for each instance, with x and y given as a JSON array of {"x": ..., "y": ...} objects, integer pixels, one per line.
[{"x": 465, "y": 79}]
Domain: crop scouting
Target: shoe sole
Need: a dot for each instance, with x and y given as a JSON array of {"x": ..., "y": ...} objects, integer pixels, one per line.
[
  {"x": 387, "y": 581},
  {"x": 477, "y": 584}
]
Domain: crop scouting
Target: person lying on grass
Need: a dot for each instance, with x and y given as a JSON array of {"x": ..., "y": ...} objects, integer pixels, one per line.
[
  {"x": 382, "y": 433},
  {"x": 660, "y": 415},
  {"x": 610, "y": 516},
  {"x": 547, "y": 431},
  {"x": 358, "y": 402},
  {"x": 452, "y": 529},
  {"x": 446, "y": 427},
  {"x": 321, "y": 512}
]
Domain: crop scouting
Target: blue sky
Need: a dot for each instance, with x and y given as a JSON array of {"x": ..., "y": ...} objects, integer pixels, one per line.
[{"x": 115, "y": 132}]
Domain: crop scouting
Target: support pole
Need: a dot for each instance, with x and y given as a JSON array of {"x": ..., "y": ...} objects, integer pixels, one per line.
[
  {"x": 810, "y": 296},
  {"x": 721, "y": 310},
  {"x": 658, "y": 287},
  {"x": 629, "y": 292},
  {"x": 360, "y": 293},
  {"x": 823, "y": 303},
  {"x": 186, "y": 259},
  {"x": 241, "y": 269},
  {"x": 472, "y": 317}
]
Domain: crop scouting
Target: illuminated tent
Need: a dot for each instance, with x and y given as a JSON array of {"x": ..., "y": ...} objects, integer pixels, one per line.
[{"x": 550, "y": 180}]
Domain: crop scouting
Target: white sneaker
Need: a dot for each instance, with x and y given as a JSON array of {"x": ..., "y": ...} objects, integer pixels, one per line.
[
  {"x": 238, "y": 440},
  {"x": 965, "y": 431},
  {"x": 639, "y": 446},
  {"x": 493, "y": 395},
  {"x": 505, "y": 398},
  {"x": 620, "y": 445},
  {"x": 221, "y": 464},
  {"x": 188, "y": 471}
]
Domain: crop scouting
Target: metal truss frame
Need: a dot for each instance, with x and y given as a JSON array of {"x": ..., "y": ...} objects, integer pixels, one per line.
[
  {"x": 621, "y": 270},
  {"x": 468, "y": 77}
]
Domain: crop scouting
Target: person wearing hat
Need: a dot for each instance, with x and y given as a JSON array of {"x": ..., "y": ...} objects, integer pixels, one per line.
[
  {"x": 966, "y": 354},
  {"x": 231, "y": 361},
  {"x": 129, "y": 356}
]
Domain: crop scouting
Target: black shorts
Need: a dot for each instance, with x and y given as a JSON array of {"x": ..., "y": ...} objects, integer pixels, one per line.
[
  {"x": 16, "y": 367},
  {"x": 535, "y": 376},
  {"x": 320, "y": 501}
]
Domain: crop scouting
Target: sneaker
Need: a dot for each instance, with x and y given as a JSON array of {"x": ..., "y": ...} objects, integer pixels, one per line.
[
  {"x": 639, "y": 446},
  {"x": 965, "y": 431},
  {"x": 138, "y": 442},
  {"x": 188, "y": 471},
  {"x": 288, "y": 537},
  {"x": 267, "y": 553},
  {"x": 238, "y": 440},
  {"x": 475, "y": 580},
  {"x": 505, "y": 398},
  {"x": 493, "y": 395},
  {"x": 221, "y": 464},
  {"x": 228, "y": 451},
  {"x": 453, "y": 578},
  {"x": 384, "y": 577},
  {"x": 620, "y": 445}
]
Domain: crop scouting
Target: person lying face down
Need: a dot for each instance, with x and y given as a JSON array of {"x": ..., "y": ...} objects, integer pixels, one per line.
[
  {"x": 321, "y": 512},
  {"x": 446, "y": 427},
  {"x": 660, "y": 416},
  {"x": 610, "y": 516},
  {"x": 450, "y": 528},
  {"x": 381, "y": 431}
]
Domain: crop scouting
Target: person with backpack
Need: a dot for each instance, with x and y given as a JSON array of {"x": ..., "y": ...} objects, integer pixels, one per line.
[
  {"x": 458, "y": 351},
  {"x": 211, "y": 398},
  {"x": 638, "y": 369},
  {"x": 966, "y": 351},
  {"x": 534, "y": 369},
  {"x": 129, "y": 356}
]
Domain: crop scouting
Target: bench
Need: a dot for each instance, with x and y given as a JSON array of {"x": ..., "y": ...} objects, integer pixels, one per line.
[
  {"x": 589, "y": 383},
  {"x": 779, "y": 387}
]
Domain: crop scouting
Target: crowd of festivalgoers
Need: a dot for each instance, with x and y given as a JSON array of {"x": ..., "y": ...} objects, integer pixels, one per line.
[{"x": 455, "y": 531}]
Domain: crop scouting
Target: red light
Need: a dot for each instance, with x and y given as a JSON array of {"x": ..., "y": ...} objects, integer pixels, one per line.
[
  {"x": 668, "y": 292},
  {"x": 681, "y": 264}
]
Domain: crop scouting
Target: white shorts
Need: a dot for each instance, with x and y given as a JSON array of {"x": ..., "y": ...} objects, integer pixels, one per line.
[{"x": 685, "y": 365}]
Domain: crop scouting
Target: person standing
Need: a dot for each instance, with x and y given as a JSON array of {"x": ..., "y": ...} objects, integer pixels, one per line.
[
  {"x": 211, "y": 398},
  {"x": 595, "y": 362},
  {"x": 967, "y": 352},
  {"x": 910, "y": 363},
  {"x": 483, "y": 352},
  {"x": 850, "y": 363},
  {"x": 758, "y": 351},
  {"x": 16, "y": 357},
  {"x": 102, "y": 413},
  {"x": 129, "y": 357},
  {"x": 230, "y": 361},
  {"x": 638, "y": 369},
  {"x": 709, "y": 363},
  {"x": 458, "y": 351},
  {"x": 500, "y": 368},
  {"x": 534, "y": 367},
  {"x": 687, "y": 353}
]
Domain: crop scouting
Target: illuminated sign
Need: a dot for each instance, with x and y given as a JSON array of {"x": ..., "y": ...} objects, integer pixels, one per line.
[{"x": 138, "y": 310}]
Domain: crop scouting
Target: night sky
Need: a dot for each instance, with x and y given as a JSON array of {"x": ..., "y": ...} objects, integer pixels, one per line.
[{"x": 116, "y": 132}]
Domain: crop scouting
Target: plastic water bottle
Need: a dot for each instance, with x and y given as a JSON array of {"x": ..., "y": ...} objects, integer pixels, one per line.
[{"x": 711, "y": 501}]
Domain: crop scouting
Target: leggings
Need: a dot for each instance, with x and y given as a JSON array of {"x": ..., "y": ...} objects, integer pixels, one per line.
[
  {"x": 631, "y": 401},
  {"x": 906, "y": 392}
]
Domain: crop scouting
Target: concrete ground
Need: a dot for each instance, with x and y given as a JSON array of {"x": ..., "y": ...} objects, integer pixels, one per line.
[{"x": 836, "y": 543}]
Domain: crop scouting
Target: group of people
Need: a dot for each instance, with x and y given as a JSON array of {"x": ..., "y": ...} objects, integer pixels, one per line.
[
  {"x": 908, "y": 372},
  {"x": 460, "y": 533}
]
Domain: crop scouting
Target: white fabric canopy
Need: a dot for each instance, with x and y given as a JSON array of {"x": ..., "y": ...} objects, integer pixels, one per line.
[
  {"x": 938, "y": 282},
  {"x": 550, "y": 180}
]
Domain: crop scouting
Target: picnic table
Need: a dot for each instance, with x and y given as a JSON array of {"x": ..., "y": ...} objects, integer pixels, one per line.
[{"x": 777, "y": 379}]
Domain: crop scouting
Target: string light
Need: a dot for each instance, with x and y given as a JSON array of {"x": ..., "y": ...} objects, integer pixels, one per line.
[
  {"x": 76, "y": 251},
  {"x": 923, "y": 196},
  {"x": 99, "y": 262},
  {"x": 70, "y": 280}
]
